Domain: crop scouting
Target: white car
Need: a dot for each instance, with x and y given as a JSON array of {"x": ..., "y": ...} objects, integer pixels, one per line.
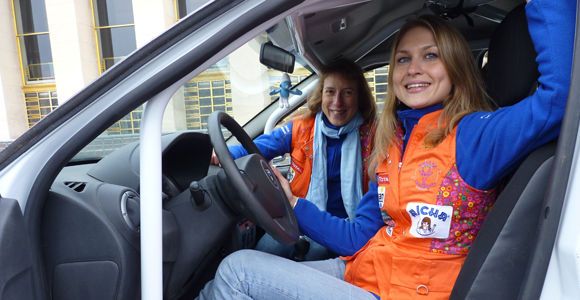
[{"x": 89, "y": 214}]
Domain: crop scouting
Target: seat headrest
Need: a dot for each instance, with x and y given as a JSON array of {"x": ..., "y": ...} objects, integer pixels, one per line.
[{"x": 511, "y": 71}]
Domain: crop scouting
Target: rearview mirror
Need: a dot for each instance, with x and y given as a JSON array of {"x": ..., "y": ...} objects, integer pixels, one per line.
[{"x": 277, "y": 58}]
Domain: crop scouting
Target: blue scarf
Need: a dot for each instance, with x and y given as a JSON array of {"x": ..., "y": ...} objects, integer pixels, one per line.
[{"x": 350, "y": 185}]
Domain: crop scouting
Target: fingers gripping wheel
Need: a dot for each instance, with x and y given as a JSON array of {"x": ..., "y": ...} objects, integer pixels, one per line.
[{"x": 251, "y": 176}]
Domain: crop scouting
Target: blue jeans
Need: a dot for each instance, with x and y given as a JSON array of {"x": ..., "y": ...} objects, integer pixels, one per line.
[
  {"x": 251, "y": 274},
  {"x": 269, "y": 245}
]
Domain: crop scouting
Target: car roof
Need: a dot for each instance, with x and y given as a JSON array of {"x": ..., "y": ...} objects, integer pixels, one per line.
[{"x": 363, "y": 30}]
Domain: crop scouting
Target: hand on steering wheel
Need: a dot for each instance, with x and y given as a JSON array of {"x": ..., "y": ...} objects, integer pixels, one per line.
[
  {"x": 286, "y": 186},
  {"x": 263, "y": 196},
  {"x": 214, "y": 159}
]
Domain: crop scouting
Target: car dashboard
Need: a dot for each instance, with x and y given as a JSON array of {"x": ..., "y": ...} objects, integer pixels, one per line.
[{"x": 90, "y": 226}]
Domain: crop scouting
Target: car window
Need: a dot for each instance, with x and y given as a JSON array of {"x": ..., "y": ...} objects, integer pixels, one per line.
[{"x": 238, "y": 85}]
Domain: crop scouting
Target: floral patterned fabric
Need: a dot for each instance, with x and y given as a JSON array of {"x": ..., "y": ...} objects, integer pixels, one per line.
[{"x": 470, "y": 208}]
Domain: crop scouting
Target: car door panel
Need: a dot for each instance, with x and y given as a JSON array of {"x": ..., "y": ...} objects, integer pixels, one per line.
[{"x": 15, "y": 256}]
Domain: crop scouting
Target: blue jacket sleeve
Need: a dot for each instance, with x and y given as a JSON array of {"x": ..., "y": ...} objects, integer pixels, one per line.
[
  {"x": 491, "y": 144},
  {"x": 278, "y": 142},
  {"x": 342, "y": 236}
]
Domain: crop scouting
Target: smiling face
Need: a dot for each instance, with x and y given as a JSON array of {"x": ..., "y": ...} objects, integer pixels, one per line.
[
  {"x": 339, "y": 99},
  {"x": 419, "y": 76}
]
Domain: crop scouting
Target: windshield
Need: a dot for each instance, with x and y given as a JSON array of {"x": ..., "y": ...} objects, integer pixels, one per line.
[{"x": 238, "y": 85}]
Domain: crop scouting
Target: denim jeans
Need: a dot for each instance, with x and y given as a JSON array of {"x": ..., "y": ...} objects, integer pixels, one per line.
[
  {"x": 269, "y": 245},
  {"x": 251, "y": 274}
]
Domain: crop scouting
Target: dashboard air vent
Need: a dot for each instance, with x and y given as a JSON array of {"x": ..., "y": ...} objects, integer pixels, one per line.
[{"x": 76, "y": 186}]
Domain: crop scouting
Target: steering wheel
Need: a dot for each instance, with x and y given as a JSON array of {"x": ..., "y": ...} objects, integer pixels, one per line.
[{"x": 252, "y": 178}]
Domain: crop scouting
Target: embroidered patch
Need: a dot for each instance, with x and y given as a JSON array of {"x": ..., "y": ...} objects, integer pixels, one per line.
[
  {"x": 429, "y": 221},
  {"x": 296, "y": 167},
  {"x": 381, "y": 190},
  {"x": 426, "y": 175},
  {"x": 389, "y": 222},
  {"x": 382, "y": 179}
]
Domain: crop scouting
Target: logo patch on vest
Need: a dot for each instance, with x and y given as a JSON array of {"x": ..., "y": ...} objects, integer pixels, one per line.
[
  {"x": 382, "y": 179},
  {"x": 426, "y": 175},
  {"x": 429, "y": 221},
  {"x": 296, "y": 167},
  {"x": 381, "y": 191}
]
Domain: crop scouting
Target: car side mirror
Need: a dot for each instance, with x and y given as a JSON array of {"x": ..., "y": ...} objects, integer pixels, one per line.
[{"x": 276, "y": 58}]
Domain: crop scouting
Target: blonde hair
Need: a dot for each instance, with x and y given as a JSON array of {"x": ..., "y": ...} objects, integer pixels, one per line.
[
  {"x": 467, "y": 92},
  {"x": 352, "y": 72}
]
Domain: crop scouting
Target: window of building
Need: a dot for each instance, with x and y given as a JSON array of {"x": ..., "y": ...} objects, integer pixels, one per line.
[
  {"x": 115, "y": 34},
  {"x": 36, "y": 64},
  {"x": 115, "y": 31},
  {"x": 210, "y": 91},
  {"x": 40, "y": 101},
  {"x": 33, "y": 40}
]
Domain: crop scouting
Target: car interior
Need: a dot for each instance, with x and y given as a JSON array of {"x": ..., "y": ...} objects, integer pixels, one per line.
[{"x": 90, "y": 223}]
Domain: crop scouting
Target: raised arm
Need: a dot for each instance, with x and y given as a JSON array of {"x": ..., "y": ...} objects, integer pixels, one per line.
[{"x": 489, "y": 145}]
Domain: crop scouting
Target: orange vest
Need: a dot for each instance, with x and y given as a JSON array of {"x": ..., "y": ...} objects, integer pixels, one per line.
[
  {"x": 434, "y": 216},
  {"x": 302, "y": 143}
]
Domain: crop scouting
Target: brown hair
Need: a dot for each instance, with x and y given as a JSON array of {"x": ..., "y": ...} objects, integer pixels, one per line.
[
  {"x": 426, "y": 220},
  {"x": 467, "y": 92},
  {"x": 352, "y": 72}
]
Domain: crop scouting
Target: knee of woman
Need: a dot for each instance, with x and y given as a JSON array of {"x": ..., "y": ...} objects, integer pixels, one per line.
[
  {"x": 239, "y": 256},
  {"x": 237, "y": 262}
]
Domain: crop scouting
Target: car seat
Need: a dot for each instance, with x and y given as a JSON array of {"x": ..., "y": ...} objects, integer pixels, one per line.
[{"x": 496, "y": 265}]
